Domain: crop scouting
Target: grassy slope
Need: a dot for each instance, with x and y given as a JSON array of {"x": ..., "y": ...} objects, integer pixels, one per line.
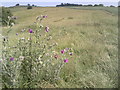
[
  {"x": 91, "y": 33},
  {"x": 113, "y": 10}
]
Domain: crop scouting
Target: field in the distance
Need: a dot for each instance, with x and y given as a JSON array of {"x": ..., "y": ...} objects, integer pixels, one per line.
[{"x": 91, "y": 33}]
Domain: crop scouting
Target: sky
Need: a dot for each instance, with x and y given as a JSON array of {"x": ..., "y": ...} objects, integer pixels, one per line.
[{"x": 8, "y": 3}]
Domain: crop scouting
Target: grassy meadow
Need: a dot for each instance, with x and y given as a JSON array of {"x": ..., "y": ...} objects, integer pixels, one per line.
[{"x": 91, "y": 33}]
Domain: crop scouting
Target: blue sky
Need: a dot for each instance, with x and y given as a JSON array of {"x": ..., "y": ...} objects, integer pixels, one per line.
[{"x": 56, "y": 2}]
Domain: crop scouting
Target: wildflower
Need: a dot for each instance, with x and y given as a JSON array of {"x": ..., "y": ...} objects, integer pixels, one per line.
[
  {"x": 56, "y": 56},
  {"x": 47, "y": 54},
  {"x": 45, "y": 16},
  {"x": 41, "y": 26},
  {"x": 66, "y": 49},
  {"x": 46, "y": 29},
  {"x": 9, "y": 17},
  {"x": 62, "y": 51},
  {"x": 16, "y": 33},
  {"x": 12, "y": 58},
  {"x": 66, "y": 60},
  {"x": 12, "y": 24},
  {"x": 21, "y": 57},
  {"x": 22, "y": 30},
  {"x": 70, "y": 53},
  {"x": 30, "y": 31}
]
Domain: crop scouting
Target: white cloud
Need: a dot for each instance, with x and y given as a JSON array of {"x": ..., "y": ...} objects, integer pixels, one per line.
[{"x": 59, "y": 1}]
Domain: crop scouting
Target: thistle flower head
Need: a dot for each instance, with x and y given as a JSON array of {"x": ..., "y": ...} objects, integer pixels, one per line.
[
  {"x": 21, "y": 57},
  {"x": 70, "y": 53},
  {"x": 41, "y": 25},
  {"x": 66, "y": 49},
  {"x": 9, "y": 17},
  {"x": 11, "y": 58},
  {"x": 45, "y": 16},
  {"x": 66, "y": 60},
  {"x": 12, "y": 24},
  {"x": 16, "y": 33},
  {"x": 56, "y": 56},
  {"x": 30, "y": 31},
  {"x": 46, "y": 28},
  {"x": 62, "y": 51}
]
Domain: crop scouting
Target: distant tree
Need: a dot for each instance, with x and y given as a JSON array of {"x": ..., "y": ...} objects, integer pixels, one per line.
[
  {"x": 89, "y": 5},
  {"x": 17, "y": 4},
  {"x": 28, "y": 4},
  {"x": 96, "y": 5},
  {"x": 101, "y": 5},
  {"x": 29, "y": 7},
  {"x": 33, "y": 5},
  {"x": 85, "y": 5},
  {"x": 62, "y": 4},
  {"x": 80, "y": 5},
  {"x": 69, "y": 4},
  {"x": 112, "y": 6}
]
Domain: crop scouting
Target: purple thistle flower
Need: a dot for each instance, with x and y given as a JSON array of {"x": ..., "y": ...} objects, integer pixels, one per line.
[
  {"x": 70, "y": 53},
  {"x": 62, "y": 51},
  {"x": 67, "y": 48},
  {"x": 66, "y": 60},
  {"x": 12, "y": 58},
  {"x": 30, "y": 31},
  {"x": 16, "y": 33},
  {"x": 45, "y": 16},
  {"x": 46, "y": 29}
]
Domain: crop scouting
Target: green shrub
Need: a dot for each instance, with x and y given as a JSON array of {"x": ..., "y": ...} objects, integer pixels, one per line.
[
  {"x": 6, "y": 13},
  {"x": 29, "y": 7}
]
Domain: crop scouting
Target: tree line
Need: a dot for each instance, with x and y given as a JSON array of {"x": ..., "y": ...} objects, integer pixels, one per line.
[
  {"x": 28, "y": 5},
  {"x": 69, "y": 4}
]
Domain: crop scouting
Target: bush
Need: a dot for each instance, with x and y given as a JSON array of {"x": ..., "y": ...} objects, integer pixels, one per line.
[
  {"x": 17, "y": 4},
  {"x": 6, "y": 14},
  {"x": 29, "y": 7}
]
